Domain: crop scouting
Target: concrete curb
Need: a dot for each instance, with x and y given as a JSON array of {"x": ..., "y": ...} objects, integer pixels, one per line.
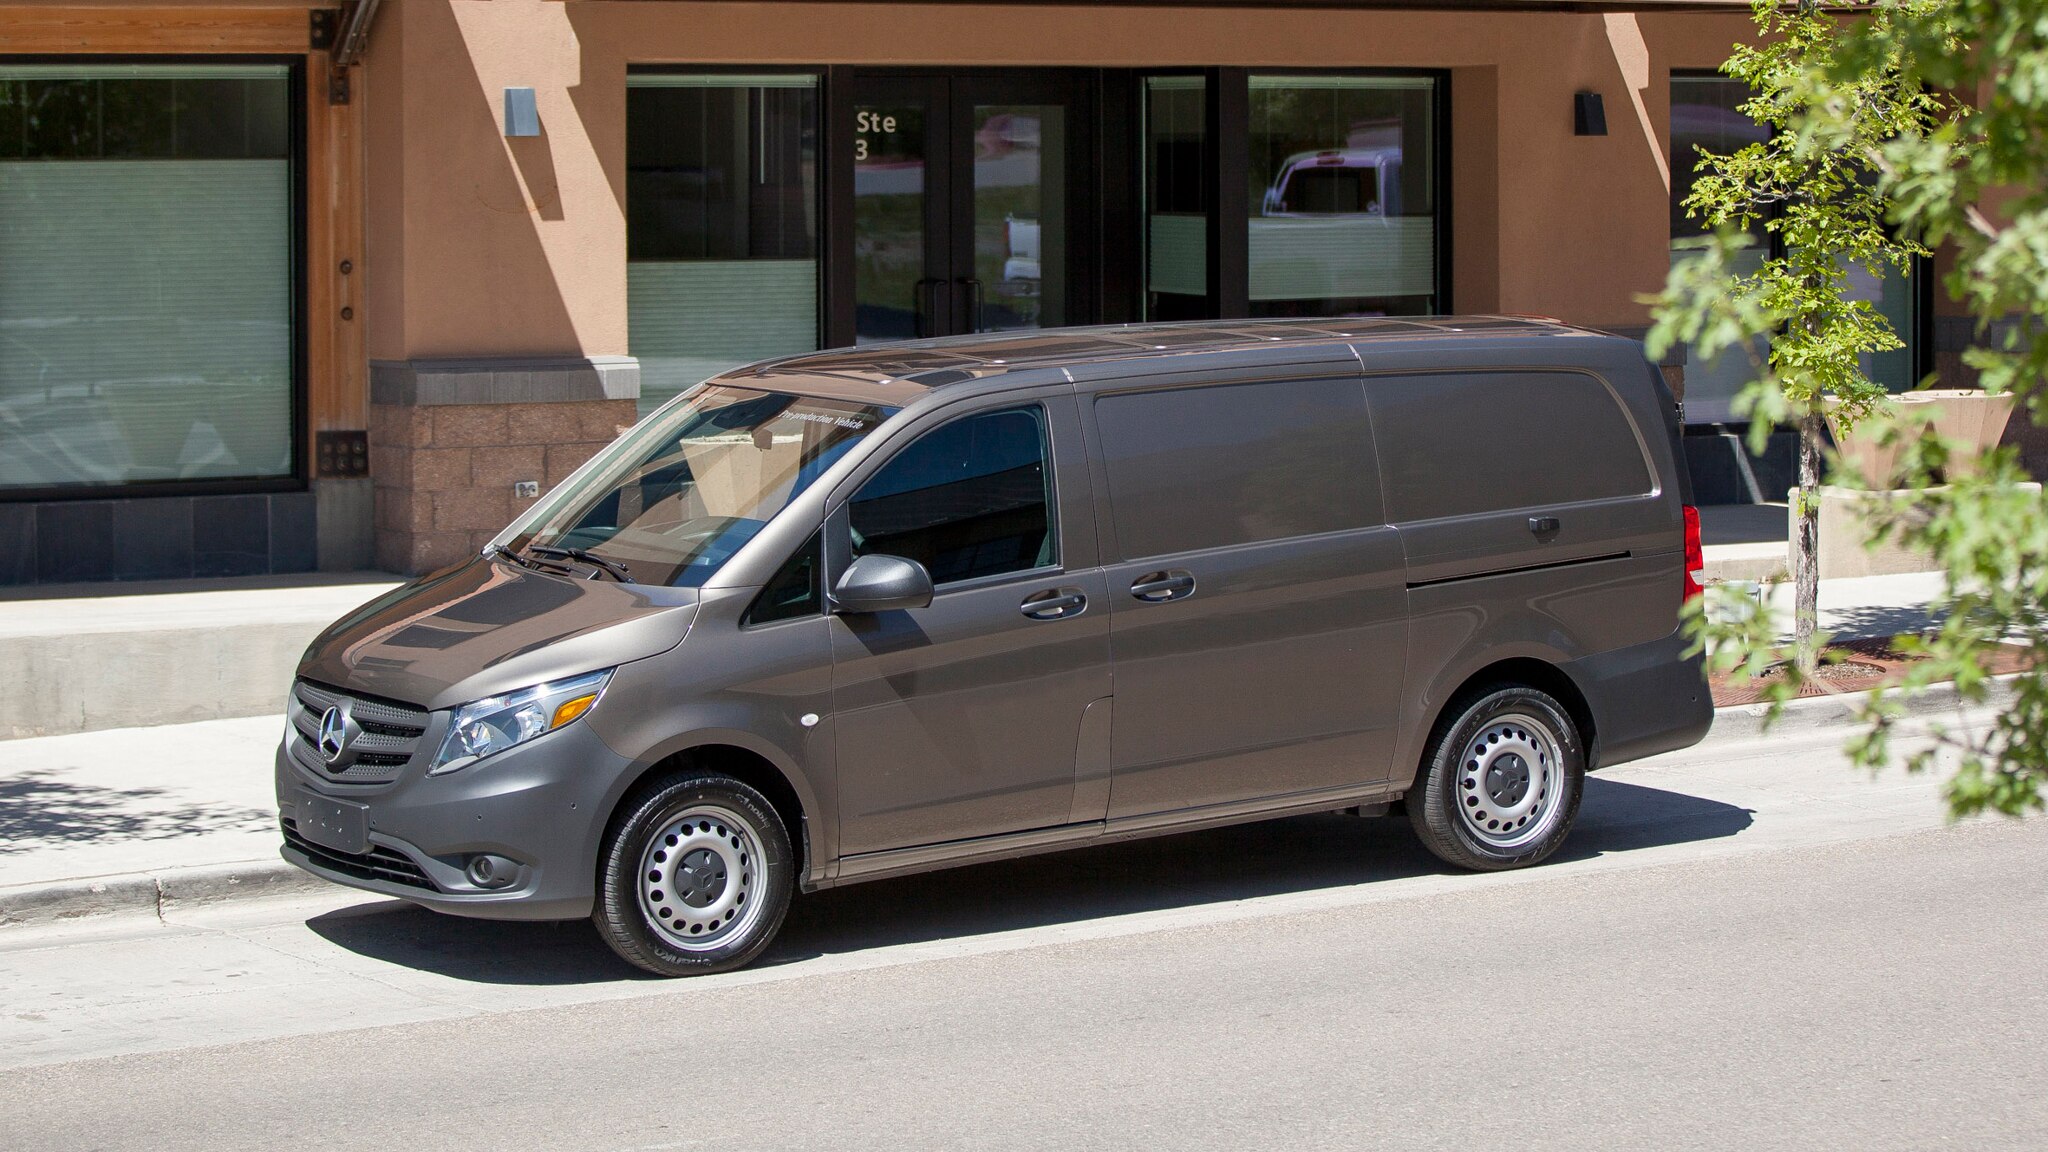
[
  {"x": 158, "y": 892},
  {"x": 153, "y": 892},
  {"x": 1746, "y": 721}
]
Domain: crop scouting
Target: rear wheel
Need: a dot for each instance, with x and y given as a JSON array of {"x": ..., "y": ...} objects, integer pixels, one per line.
[
  {"x": 1501, "y": 781},
  {"x": 695, "y": 878}
]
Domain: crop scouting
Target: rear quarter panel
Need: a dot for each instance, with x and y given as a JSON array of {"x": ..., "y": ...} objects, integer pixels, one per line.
[{"x": 1486, "y": 588}]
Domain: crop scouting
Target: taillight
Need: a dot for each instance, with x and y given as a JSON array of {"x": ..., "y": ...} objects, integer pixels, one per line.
[{"x": 1695, "y": 555}]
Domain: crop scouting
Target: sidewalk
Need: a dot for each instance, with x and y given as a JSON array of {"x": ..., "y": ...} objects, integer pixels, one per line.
[
  {"x": 132, "y": 818},
  {"x": 87, "y": 657}
]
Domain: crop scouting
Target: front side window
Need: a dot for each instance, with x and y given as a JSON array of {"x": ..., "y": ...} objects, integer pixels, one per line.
[
  {"x": 147, "y": 253},
  {"x": 675, "y": 498},
  {"x": 969, "y": 499},
  {"x": 796, "y": 590}
]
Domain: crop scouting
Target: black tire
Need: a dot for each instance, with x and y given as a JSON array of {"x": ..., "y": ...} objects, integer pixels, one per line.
[
  {"x": 694, "y": 877},
  {"x": 1470, "y": 808}
]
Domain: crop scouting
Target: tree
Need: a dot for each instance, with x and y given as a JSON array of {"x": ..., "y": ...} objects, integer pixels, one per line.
[
  {"x": 1966, "y": 171},
  {"x": 1819, "y": 200}
]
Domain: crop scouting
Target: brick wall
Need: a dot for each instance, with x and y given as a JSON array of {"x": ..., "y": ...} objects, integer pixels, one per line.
[{"x": 444, "y": 474}]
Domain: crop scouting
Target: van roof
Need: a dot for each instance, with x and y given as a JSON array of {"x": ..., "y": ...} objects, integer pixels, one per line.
[{"x": 899, "y": 372}]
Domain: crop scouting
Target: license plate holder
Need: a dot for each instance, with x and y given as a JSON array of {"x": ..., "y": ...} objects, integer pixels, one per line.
[{"x": 340, "y": 825}]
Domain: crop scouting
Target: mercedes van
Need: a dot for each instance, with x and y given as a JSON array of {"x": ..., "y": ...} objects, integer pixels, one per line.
[{"x": 861, "y": 613}]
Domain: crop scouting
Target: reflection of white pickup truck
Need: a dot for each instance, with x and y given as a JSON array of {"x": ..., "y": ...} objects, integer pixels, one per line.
[
  {"x": 1337, "y": 182},
  {"x": 1021, "y": 268}
]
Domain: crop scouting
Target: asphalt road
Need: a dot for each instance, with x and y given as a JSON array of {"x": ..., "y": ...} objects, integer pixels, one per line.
[{"x": 1748, "y": 947}]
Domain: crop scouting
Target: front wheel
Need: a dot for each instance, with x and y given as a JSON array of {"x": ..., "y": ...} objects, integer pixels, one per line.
[
  {"x": 695, "y": 878},
  {"x": 1501, "y": 781}
]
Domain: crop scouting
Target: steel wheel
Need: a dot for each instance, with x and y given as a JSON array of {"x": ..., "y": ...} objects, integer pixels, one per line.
[
  {"x": 1508, "y": 781},
  {"x": 701, "y": 878},
  {"x": 1500, "y": 783}
]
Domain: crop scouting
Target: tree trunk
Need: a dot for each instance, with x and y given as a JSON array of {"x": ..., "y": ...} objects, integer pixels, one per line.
[{"x": 1806, "y": 543}]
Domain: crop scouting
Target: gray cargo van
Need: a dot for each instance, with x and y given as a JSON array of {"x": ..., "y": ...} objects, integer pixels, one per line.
[{"x": 867, "y": 612}]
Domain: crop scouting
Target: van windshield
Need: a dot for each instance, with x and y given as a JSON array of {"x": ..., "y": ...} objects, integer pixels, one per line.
[{"x": 672, "y": 500}]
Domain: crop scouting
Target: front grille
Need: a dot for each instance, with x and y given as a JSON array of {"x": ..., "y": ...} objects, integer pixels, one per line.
[
  {"x": 391, "y": 734},
  {"x": 379, "y": 863}
]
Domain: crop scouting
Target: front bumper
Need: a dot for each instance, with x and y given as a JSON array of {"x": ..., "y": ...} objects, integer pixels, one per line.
[{"x": 540, "y": 804}]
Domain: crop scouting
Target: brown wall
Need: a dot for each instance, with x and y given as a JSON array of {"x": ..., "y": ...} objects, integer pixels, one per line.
[{"x": 490, "y": 246}]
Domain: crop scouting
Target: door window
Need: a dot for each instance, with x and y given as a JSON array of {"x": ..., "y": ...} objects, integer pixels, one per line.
[
  {"x": 961, "y": 191},
  {"x": 970, "y": 499}
]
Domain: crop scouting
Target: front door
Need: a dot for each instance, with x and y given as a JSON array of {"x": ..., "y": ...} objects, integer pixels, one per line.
[
  {"x": 962, "y": 719},
  {"x": 969, "y": 200}
]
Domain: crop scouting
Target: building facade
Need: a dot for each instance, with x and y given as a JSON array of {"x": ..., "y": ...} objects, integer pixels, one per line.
[{"x": 288, "y": 287}]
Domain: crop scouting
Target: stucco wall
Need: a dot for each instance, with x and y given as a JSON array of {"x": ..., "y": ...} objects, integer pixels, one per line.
[{"x": 483, "y": 245}]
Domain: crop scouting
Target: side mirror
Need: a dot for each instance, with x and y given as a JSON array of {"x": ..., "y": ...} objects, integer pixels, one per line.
[{"x": 882, "y": 584}]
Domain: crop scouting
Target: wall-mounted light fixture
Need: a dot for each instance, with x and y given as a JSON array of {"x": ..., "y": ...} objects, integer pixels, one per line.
[
  {"x": 522, "y": 113},
  {"x": 1589, "y": 114}
]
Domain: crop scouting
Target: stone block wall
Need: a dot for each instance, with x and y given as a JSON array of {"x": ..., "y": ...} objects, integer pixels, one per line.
[{"x": 449, "y": 442}]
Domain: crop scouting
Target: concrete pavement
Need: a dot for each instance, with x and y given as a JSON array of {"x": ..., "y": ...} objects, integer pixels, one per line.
[{"x": 1753, "y": 947}]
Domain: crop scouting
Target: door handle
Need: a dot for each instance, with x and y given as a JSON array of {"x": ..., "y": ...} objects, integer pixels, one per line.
[
  {"x": 1054, "y": 604},
  {"x": 973, "y": 287},
  {"x": 1543, "y": 525},
  {"x": 1159, "y": 587},
  {"x": 919, "y": 292}
]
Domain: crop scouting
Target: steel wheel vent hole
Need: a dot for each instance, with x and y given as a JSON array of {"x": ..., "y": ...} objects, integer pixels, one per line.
[
  {"x": 660, "y": 855},
  {"x": 721, "y": 830},
  {"x": 696, "y": 928},
  {"x": 1471, "y": 801},
  {"x": 654, "y": 874},
  {"x": 671, "y": 841}
]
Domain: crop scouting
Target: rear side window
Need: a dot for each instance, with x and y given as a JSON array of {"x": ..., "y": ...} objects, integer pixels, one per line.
[
  {"x": 1460, "y": 445},
  {"x": 968, "y": 499},
  {"x": 1209, "y": 467}
]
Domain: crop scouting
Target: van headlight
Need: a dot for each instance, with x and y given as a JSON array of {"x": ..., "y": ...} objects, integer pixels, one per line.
[{"x": 488, "y": 727}]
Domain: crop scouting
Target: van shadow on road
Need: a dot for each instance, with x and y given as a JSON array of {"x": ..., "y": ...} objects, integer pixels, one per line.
[{"x": 1302, "y": 854}]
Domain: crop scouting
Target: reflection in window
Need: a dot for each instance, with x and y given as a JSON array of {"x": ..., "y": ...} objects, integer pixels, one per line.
[
  {"x": 1176, "y": 198},
  {"x": 888, "y": 222},
  {"x": 146, "y": 261},
  {"x": 1343, "y": 195},
  {"x": 1020, "y": 217},
  {"x": 972, "y": 498},
  {"x": 721, "y": 224}
]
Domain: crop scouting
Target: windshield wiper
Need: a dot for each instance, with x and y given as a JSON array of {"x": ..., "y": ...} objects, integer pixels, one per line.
[
  {"x": 523, "y": 561},
  {"x": 616, "y": 570}
]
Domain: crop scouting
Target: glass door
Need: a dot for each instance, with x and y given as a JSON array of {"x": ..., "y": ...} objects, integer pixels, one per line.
[{"x": 964, "y": 193}]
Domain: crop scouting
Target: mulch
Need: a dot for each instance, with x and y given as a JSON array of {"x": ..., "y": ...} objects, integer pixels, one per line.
[{"x": 1862, "y": 665}]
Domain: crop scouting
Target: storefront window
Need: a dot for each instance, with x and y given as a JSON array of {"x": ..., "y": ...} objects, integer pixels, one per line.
[
  {"x": 721, "y": 224},
  {"x": 146, "y": 273},
  {"x": 1176, "y": 198},
  {"x": 1343, "y": 195},
  {"x": 1706, "y": 114}
]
